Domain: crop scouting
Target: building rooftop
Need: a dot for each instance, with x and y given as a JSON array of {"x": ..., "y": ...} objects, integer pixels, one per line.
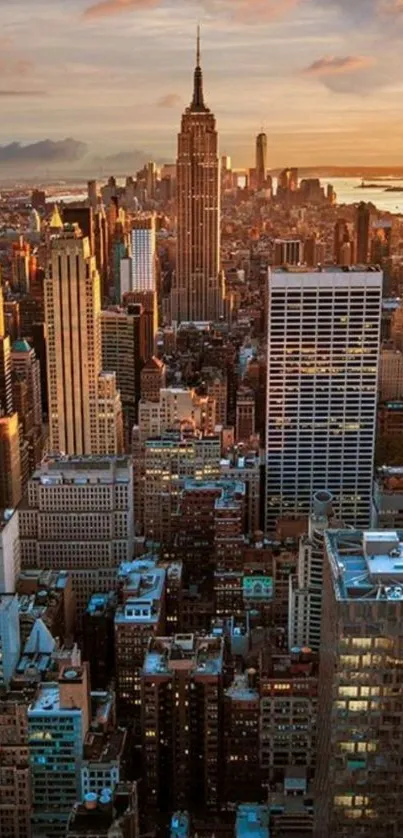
[
  {"x": 53, "y": 579},
  {"x": 21, "y": 345},
  {"x": 389, "y": 479},
  {"x": 240, "y": 689},
  {"x": 326, "y": 269},
  {"x": 60, "y": 469},
  {"x": 252, "y": 821},
  {"x": 198, "y": 655},
  {"x": 366, "y": 565},
  {"x": 47, "y": 700},
  {"x": 143, "y": 592},
  {"x": 100, "y": 603},
  {"x": 228, "y": 489},
  {"x": 104, "y": 747}
]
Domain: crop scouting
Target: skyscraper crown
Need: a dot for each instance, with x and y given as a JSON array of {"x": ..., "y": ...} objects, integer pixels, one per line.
[{"x": 197, "y": 103}]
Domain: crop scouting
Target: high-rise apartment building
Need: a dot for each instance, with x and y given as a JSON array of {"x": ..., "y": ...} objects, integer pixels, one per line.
[
  {"x": 78, "y": 514},
  {"x": 390, "y": 374},
  {"x": 182, "y": 683},
  {"x": 245, "y": 415},
  {"x": 178, "y": 408},
  {"x": 209, "y": 528},
  {"x": 360, "y": 733},
  {"x": 140, "y": 616},
  {"x": 144, "y": 253},
  {"x": 197, "y": 292},
  {"x": 10, "y": 462},
  {"x": 168, "y": 461},
  {"x": 58, "y": 720},
  {"x": 15, "y": 775},
  {"x": 261, "y": 159},
  {"x": 152, "y": 380},
  {"x": 144, "y": 306},
  {"x": 288, "y": 720},
  {"x": 387, "y": 513},
  {"x": 322, "y": 374},
  {"x": 6, "y": 398},
  {"x": 83, "y": 411},
  {"x": 306, "y": 589},
  {"x": 26, "y": 385},
  {"x": 123, "y": 350},
  {"x": 10, "y": 552},
  {"x": 363, "y": 219},
  {"x": 245, "y": 467},
  {"x": 9, "y": 637}
]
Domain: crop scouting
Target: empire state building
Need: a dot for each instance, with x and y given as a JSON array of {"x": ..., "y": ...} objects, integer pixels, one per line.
[{"x": 197, "y": 290}]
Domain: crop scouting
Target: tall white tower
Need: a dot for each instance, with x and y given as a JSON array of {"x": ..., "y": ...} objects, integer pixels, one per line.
[
  {"x": 143, "y": 253},
  {"x": 322, "y": 371},
  {"x": 84, "y": 404}
]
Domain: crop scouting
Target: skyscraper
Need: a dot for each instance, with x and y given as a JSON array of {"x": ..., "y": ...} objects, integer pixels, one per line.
[
  {"x": 9, "y": 637},
  {"x": 6, "y": 398},
  {"x": 10, "y": 462},
  {"x": 143, "y": 253},
  {"x": 360, "y": 731},
  {"x": 58, "y": 719},
  {"x": 197, "y": 292},
  {"x": 261, "y": 159},
  {"x": 362, "y": 230},
  {"x": 322, "y": 374},
  {"x": 80, "y": 405},
  {"x": 78, "y": 513}
]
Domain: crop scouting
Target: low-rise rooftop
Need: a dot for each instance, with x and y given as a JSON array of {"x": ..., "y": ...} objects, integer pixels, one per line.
[
  {"x": 104, "y": 747},
  {"x": 142, "y": 592},
  {"x": 59, "y": 469},
  {"x": 252, "y": 821},
  {"x": 198, "y": 655}
]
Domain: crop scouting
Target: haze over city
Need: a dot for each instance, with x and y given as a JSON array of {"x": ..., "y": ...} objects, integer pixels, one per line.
[{"x": 114, "y": 76}]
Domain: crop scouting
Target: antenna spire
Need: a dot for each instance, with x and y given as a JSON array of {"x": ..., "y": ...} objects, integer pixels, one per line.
[
  {"x": 198, "y": 46},
  {"x": 197, "y": 104}
]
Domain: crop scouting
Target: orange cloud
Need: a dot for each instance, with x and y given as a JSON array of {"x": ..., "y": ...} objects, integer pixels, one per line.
[
  {"x": 248, "y": 11},
  {"x": 112, "y": 7},
  {"x": 335, "y": 66},
  {"x": 170, "y": 100}
]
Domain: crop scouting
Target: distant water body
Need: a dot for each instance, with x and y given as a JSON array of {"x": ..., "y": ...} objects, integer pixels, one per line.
[{"x": 347, "y": 193}]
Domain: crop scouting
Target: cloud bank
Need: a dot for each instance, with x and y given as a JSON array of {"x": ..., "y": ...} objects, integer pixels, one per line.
[
  {"x": 106, "y": 8},
  {"x": 46, "y": 151}
]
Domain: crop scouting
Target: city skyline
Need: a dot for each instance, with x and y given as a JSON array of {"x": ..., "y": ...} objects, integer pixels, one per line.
[{"x": 316, "y": 69}]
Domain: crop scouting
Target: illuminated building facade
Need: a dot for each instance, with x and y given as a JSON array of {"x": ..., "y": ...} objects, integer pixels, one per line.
[
  {"x": 143, "y": 253},
  {"x": 182, "y": 681},
  {"x": 322, "y": 375},
  {"x": 58, "y": 720},
  {"x": 360, "y": 735},
  {"x": 197, "y": 293},
  {"x": 78, "y": 514},
  {"x": 84, "y": 407},
  {"x": 15, "y": 777}
]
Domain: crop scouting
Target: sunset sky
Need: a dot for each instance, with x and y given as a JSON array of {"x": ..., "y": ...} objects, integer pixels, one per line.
[{"x": 323, "y": 77}]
